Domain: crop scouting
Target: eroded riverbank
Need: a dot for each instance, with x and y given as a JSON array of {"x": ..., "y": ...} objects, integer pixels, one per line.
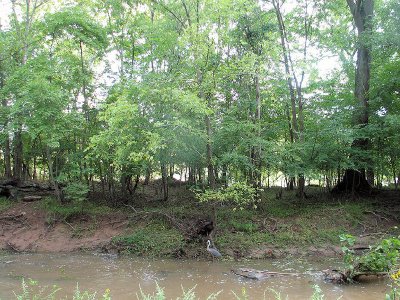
[{"x": 277, "y": 229}]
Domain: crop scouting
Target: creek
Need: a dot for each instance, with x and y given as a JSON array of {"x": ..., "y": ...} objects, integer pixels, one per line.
[{"x": 124, "y": 276}]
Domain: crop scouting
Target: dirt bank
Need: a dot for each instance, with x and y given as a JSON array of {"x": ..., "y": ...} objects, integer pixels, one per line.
[
  {"x": 27, "y": 227},
  {"x": 278, "y": 228}
]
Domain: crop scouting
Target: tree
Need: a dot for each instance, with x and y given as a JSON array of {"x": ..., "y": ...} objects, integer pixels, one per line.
[{"x": 362, "y": 12}]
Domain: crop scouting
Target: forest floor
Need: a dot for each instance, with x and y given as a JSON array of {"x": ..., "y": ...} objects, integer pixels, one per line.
[{"x": 279, "y": 227}]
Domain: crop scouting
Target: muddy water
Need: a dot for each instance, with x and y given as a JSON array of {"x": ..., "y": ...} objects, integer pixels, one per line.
[{"x": 124, "y": 277}]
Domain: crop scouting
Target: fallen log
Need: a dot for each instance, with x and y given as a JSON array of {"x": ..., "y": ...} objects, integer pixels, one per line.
[
  {"x": 31, "y": 198},
  {"x": 338, "y": 277},
  {"x": 259, "y": 275},
  {"x": 361, "y": 275}
]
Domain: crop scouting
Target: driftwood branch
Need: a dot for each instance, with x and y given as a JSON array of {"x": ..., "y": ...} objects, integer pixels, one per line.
[
  {"x": 336, "y": 276},
  {"x": 259, "y": 275}
]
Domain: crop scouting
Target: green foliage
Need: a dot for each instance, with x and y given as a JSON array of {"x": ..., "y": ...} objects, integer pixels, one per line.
[
  {"x": 380, "y": 258},
  {"x": 160, "y": 295},
  {"x": 31, "y": 291},
  {"x": 65, "y": 212},
  {"x": 76, "y": 192},
  {"x": 347, "y": 241},
  {"x": 110, "y": 89},
  {"x": 394, "y": 284},
  {"x": 317, "y": 294},
  {"x": 238, "y": 194},
  {"x": 244, "y": 227}
]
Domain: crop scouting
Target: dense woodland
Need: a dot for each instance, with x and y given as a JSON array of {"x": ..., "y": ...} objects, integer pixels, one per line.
[{"x": 109, "y": 94}]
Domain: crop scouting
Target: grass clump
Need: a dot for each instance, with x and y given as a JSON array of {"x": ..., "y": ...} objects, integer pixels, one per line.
[
  {"x": 4, "y": 204},
  {"x": 244, "y": 227},
  {"x": 68, "y": 211},
  {"x": 153, "y": 240}
]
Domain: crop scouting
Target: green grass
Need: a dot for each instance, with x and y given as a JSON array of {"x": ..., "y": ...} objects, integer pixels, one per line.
[
  {"x": 65, "y": 212},
  {"x": 287, "y": 222},
  {"x": 153, "y": 240},
  {"x": 5, "y": 204}
]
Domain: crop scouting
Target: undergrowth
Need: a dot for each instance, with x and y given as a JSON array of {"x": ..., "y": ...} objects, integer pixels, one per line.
[
  {"x": 152, "y": 240},
  {"x": 67, "y": 211}
]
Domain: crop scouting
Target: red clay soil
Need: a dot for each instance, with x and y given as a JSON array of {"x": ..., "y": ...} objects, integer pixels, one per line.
[{"x": 24, "y": 227}]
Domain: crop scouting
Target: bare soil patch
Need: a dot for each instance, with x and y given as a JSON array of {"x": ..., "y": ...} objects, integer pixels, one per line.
[{"x": 26, "y": 227}]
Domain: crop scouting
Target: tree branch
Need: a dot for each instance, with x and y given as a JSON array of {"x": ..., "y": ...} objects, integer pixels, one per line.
[{"x": 170, "y": 11}]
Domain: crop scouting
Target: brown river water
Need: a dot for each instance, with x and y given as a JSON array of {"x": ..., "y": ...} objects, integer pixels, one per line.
[{"x": 126, "y": 276}]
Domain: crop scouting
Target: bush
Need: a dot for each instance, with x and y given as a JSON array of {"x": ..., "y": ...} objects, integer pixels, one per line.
[
  {"x": 380, "y": 258},
  {"x": 239, "y": 194},
  {"x": 76, "y": 192}
]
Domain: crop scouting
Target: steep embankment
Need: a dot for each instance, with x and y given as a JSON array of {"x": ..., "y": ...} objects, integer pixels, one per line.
[
  {"x": 26, "y": 226},
  {"x": 279, "y": 227}
]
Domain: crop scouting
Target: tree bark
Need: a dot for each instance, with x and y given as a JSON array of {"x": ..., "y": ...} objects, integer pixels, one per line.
[{"x": 362, "y": 12}]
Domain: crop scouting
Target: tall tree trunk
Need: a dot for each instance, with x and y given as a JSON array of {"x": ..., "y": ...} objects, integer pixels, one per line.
[
  {"x": 256, "y": 151},
  {"x": 207, "y": 121},
  {"x": 294, "y": 82},
  {"x": 291, "y": 114},
  {"x": 362, "y": 12},
  {"x": 285, "y": 50}
]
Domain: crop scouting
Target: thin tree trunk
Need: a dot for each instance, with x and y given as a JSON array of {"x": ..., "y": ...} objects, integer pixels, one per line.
[
  {"x": 257, "y": 150},
  {"x": 7, "y": 158},
  {"x": 53, "y": 182},
  {"x": 164, "y": 178},
  {"x": 147, "y": 177},
  {"x": 210, "y": 166},
  {"x": 207, "y": 121},
  {"x": 18, "y": 148},
  {"x": 291, "y": 116}
]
